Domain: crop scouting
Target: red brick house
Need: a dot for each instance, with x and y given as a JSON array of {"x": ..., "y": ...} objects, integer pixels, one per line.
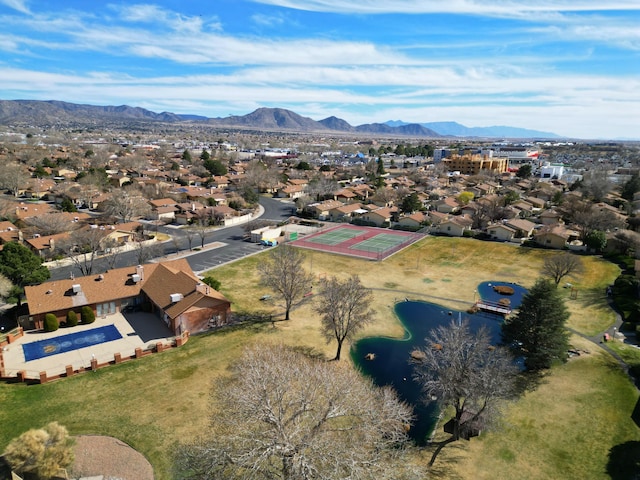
[{"x": 170, "y": 290}]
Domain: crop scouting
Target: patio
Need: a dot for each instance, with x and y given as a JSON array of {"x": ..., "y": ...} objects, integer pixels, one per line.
[{"x": 140, "y": 332}]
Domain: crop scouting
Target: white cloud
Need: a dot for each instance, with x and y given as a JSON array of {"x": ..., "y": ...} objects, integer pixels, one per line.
[
  {"x": 268, "y": 20},
  {"x": 568, "y": 105},
  {"x": 19, "y": 5},
  {"x": 509, "y": 8}
]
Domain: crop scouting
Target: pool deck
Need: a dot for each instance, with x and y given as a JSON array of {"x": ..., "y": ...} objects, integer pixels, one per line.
[{"x": 138, "y": 330}]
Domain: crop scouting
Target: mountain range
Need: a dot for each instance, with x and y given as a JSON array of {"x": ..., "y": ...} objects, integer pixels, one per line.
[{"x": 52, "y": 112}]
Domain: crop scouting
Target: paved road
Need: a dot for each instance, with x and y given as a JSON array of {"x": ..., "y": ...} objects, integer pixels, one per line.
[{"x": 234, "y": 246}]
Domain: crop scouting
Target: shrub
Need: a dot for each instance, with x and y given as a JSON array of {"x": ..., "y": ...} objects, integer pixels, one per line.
[
  {"x": 87, "y": 314},
  {"x": 212, "y": 282},
  {"x": 50, "y": 323},
  {"x": 72, "y": 318}
]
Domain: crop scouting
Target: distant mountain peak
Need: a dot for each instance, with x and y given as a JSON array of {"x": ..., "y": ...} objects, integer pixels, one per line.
[
  {"x": 54, "y": 112},
  {"x": 458, "y": 130}
]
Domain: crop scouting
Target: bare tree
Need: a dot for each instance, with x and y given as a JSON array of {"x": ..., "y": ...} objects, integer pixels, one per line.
[
  {"x": 45, "y": 452},
  {"x": 321, "y": 187},
  {"x": 284, "y": 273},
  {"x": 13, "y": 176},
  {"x": 190, "y": 234},
  {"x": 83, "y": 247},
  {"x": 51, "y": 223},
  {"x": 290, "y": 417},
  {"x": 126, "y": 206},
  {"x": 112, "y": 250},
  {"x": 344, "y": 308},
  {"x": 201, "y": 226},
  {"x": 596, "y": 184},
  {"x": 560, "y": 265},
  {"x": 147, "y": 250},
  {"x": 464, "y": 371},
  {"x": 587, "y": 218},
  {"x": 8, "y": 209}
]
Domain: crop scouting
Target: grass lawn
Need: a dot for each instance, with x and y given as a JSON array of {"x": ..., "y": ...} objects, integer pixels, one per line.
[{"x": 158, "y": 401}]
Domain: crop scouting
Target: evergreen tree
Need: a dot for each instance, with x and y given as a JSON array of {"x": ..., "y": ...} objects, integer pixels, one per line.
[
  {"x": 215, "y": 167},
  {"x": 205, "y": 155},
  {"x": 411, "y": 203},
  {"x": 630, "y": 187},
  {"x": 380, "y": 167},
  {"x": 524, "y": 171},
  {"x": 538, "y": 331},
  {"x": 21, "y": 265}
]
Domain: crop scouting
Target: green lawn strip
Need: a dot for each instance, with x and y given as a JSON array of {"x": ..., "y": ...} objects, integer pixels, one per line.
[{"x": 564, "y": 429}]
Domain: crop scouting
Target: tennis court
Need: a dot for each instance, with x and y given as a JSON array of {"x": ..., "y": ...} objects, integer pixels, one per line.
[
  {"x": 372, "y": 243},
  {"x": 336, "y": 237}
]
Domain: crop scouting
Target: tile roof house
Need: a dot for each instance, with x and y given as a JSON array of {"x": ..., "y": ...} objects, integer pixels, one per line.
[
  {"x": 501, "y": 232},
  {"x": 379, "y": 217},
  {"x": 555, "y": 236},
  {"x": 454, "y": 226},
  {"x": 415, "y": 220},
  {"x": 170, "y": 289}
]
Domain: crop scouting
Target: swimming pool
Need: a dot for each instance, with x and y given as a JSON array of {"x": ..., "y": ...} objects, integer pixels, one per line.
[{"x": 67, "y": 343}]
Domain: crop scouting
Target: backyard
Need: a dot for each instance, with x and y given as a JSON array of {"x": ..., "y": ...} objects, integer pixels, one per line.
[{"x": 568, "y": 424}]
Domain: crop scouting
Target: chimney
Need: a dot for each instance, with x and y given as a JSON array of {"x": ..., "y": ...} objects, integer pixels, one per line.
[
  {"x": 52, "y": 244},
  {"x": 140, "y": 271}
]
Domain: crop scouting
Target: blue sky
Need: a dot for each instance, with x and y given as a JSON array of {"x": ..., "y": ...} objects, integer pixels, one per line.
[{"x": 571, "y": 67}]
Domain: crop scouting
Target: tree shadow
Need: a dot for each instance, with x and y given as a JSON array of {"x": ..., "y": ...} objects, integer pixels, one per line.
[
  {"x": 529, "y": 381},
  {"x": 635, "y": 415},
  {"x": 624, "y": 461}
]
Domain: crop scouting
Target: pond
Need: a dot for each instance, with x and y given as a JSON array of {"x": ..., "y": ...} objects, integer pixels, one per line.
[{"x": 391, "y": 357}]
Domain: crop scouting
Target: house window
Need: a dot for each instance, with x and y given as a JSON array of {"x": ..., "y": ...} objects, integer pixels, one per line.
[
  {"x": 448, "y": 229},
  {"x": 106, "y": 308}
]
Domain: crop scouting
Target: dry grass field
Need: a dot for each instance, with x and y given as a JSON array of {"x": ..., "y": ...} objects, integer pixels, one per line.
[{"x": 157, "y": 402}]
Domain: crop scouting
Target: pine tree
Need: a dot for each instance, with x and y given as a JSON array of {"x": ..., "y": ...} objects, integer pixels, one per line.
[{"x": 538, "y": 331}]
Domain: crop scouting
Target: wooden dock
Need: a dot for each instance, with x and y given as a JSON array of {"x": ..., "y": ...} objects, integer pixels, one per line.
[{"x": 493, "y": 307}]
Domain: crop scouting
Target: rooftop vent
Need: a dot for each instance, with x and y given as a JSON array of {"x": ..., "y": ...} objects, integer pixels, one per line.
[
  {"x": 77, "y": 288},
  {"x": 135, "y": 277},
  {"x": 175, "y": 297}
]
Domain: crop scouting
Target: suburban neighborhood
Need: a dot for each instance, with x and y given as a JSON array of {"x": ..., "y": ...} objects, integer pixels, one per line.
[{"x": 121, "y": 214}]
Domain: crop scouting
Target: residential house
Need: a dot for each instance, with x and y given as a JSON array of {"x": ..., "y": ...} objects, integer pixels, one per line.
[
  {"x": 163, "y": 209},
  {"x": 454, "y": 226},
  {"x": 447, "y": 205},
  {"x": 501, "y": 232},
  {"x": 9, "y": 233},
  {"x": 555, "y": 236},
  {"x": 45, "y": 245},
  {"x": 380, "y": 217},
  {"x": 346, "y": 213},
  {"x": 345, "y": 195},
  {"x": 523, "y": 228},
  {"x": 290, "y": 191},
  {"x": 322, "y": 210},
  {"x": 413, "y": 221},
  {"x": 27, "y": 210},
  {"x": 170, "y": 290},
  {"x": 550, "y": 217}
]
